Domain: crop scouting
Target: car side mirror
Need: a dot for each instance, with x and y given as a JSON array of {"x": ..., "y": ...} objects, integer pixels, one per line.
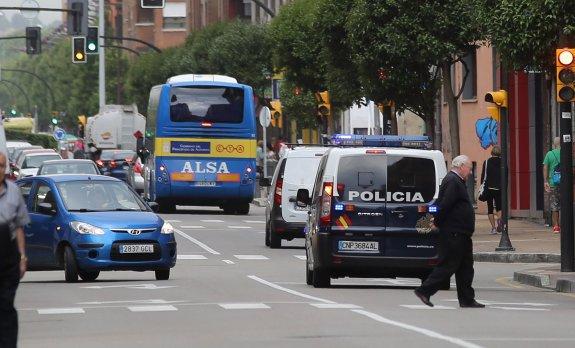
[
  {"x": 302, "y": 198},
  {"x": 154, "y": 206},
  {"x": 265, "y": 182},
  {"x": 47, "y": 208}
]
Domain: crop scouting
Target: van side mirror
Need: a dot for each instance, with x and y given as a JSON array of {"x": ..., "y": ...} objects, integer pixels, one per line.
[
  {"x": 265, "y": 182},
  {"x": 302, "y": 198},
  {"x": 47, "y": 209}
]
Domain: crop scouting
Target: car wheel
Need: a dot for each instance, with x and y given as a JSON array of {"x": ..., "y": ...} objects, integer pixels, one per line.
[
  {"x": 267, "y": 235},
  {"x": 308, "y": 270},
  {"x": 70, "y": 266},
  {"x": 162, "y": 274},
  {"x": 243, "y": 209},
  {"x": 275, "y": 239},
  {"x": 89, "y": 276}
]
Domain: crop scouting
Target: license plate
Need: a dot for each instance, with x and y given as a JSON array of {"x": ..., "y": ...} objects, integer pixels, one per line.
[
  {"x": 362, "y": 247},
  {"x": 206, "y": 183},
  {"x": 136, "y": 249}
]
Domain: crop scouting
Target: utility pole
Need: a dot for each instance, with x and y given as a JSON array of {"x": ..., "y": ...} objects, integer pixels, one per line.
[{"x": 102, "y": 55}]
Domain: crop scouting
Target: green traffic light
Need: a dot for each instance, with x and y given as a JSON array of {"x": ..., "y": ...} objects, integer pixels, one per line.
[
  {"x": 54, "y": 121},
  {"x": 13, "y": 112}
]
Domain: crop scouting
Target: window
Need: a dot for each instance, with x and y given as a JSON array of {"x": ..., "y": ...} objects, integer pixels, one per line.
[
  {"x": 144, "y": 15},
  {"x": 359, "y": 174},
  {"x": 411, "y": 175},
  {"x": 317, "y": 187},
  {"x": 174, "y": 14},
  {"x": 207, "y": 104},
  {"x": 43, "y": 195},
  {"x": 470, "y": 88},
  {"x": 25, "y": 189}
]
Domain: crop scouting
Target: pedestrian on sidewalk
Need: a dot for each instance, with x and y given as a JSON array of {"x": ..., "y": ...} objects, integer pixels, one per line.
[
  {"x": 491, "y": 173},
  {"x": 551, "y": 178},
  {"x": 455, "y": 219},
  {"x": 13, "y": 217}
]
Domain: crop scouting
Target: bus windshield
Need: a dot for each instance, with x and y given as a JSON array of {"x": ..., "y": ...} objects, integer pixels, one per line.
[{"x": 207, "y": 104}]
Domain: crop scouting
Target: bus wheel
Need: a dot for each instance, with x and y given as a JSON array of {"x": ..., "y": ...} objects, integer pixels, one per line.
[
  {"x": 166, "y": 207},
  {"x": 243, "y": 209},
  {"x": 229, "y": 209}
]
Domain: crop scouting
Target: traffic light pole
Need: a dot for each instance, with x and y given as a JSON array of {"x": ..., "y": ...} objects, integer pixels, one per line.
[
  {"x": 504, "y": 242},
  {"x": 566, "y": 189},
  {"x": 101, "y": 55}
]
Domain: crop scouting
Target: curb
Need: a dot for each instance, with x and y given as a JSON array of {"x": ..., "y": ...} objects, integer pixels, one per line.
[
  {"x": 510, "y": 257},
  {"x": 550, "y": 281}
]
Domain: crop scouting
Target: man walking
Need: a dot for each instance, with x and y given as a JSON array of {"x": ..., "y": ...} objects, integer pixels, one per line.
[
  {"x": 455, "y": 219},
  {"x": 13, "y": 217},
  {"x": 551, "y": 178}
]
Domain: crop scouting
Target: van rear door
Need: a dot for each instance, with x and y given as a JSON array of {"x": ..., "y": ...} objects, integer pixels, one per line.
[
  {"x": 299, "y": 173},
  {"x": 411, "y": 185}
]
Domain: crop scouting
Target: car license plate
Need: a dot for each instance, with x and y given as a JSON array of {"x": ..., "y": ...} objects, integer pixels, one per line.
[
  {"x": 136, "y": 249},
  {"x": 362, "y": 247},
  {"x": 206, "y": 183}
]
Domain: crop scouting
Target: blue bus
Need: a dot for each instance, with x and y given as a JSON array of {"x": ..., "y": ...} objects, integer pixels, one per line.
[{"x": 201, "y": 138}]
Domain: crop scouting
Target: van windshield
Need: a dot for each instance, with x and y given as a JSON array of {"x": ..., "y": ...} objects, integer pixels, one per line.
[{"x": 301, "y": 171}]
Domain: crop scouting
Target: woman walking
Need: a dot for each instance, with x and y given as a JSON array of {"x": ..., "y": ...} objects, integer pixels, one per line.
[{"x": 491, "y": 179}]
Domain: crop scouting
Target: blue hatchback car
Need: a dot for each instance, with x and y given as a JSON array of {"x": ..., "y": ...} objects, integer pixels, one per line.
[{"x": 85, "y": 224}]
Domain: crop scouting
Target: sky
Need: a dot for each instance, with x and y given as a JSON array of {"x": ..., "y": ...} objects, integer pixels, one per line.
[{"x": 45, "y": 17}]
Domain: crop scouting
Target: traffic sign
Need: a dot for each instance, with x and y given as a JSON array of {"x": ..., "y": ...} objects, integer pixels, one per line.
[
  {"x": 59, "y": 134},
  {"x": 138, "y": 134},
  {"x": 265, "y": 116}
]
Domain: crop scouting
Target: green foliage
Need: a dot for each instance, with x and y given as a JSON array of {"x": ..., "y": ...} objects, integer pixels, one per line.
[
  {"x": 44, "y": 140},
  {"x": 526, "y": 32},
  {"x": 302, "y": 107}
]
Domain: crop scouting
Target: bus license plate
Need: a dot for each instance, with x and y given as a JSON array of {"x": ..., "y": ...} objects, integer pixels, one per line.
[
  {"x": 137, "y": 249},
  {"x": 362, "y": 247},
  {"x": 206, "y": 183}
]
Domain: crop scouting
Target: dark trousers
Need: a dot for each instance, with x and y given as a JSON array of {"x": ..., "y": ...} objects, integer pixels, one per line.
[
  {"x": 9, "y": 280},
  {"x": 455, "y": 257}
]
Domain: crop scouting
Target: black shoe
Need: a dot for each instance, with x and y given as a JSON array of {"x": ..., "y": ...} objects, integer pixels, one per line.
[
  {"x": 423, "y": 298},
  {"x": 473, "y": 304}
]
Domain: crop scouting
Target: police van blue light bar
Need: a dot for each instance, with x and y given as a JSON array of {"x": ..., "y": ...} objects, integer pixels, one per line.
[{"x": 409, "y": 141}]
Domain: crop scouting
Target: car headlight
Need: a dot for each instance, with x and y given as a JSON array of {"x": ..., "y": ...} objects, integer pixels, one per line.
[
  {"x": 167, "y": 228},
  {"x": 84, "y": 228}
]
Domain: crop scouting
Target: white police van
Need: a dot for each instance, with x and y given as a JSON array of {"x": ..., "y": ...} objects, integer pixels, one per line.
[{"x": 370, "y": 209}]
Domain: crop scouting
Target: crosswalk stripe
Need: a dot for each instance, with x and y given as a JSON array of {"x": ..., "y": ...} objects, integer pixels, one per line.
[
  {"x": 192, "y": 257},
  {"x": 426, "y": 307},
  {"x": 239, "y": 227},
  {"x": 193, "y": 227},
  {"x": 173, "y": 220},
  {"x": 244, "y": 306},
  {"x": 251, "y": 257},
  {"x": 301, "y": 257},
  {"x": 61, "y": 311},
  {"x": 212, "y": 220},
  {"x": 152, "y": 308},
  {"x": 335, "y": 306},
  {"x": 254, "y": 222}
]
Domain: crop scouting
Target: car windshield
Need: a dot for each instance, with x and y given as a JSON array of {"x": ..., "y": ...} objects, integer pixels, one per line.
[
  {"x": 108, "y": 155},
  {"x": 36, "y": 161},
  {"x": 90, "y": 195},
  {"x": 68, "y": 168},
  {"x": 124, "y": 155}
]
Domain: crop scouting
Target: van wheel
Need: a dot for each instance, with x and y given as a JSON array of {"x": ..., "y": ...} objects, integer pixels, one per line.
[
  {"x": 229, "y": 209},
  {"x": 89, "y": 276},
  {"x": 308, "y": 272},
  {"x": 267, "y": 235},
  {"x": 320, "y": 278},
  {"x": 70, "y": 266},
  {"x": 275, "y": 240},
  {"x": 162, "y": 274},
  {"x": 243, "y": 209}
]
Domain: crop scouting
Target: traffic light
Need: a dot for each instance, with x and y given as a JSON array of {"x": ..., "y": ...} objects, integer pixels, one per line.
[
  {"x": 565, "y": 74},
  {"x": 152, "y": 3},
  {"x": 77, "y": 18},
  {"x": 78, "y": 49},
  {"x": 13, "y": 111},
  {"x": 498, "y": 98},
  {"x": 54, "y": 121},
  {"x": 324, "y": 106},
  {"x": 276, "y": 113},
  {"x": 33, "y": 40},
  {"x": 92, "y": 46}
]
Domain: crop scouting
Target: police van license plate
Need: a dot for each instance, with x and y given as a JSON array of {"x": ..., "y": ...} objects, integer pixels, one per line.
[
  {"x": 206, "y": 183},
  {"x": 136, "y": 249},
  {"x": 363, "y": 247}
]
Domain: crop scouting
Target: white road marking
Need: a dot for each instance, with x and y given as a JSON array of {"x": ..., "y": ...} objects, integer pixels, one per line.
[
  {"x": 229, "y": 262},
  {"x": 197, "y": 242},
  {"x": 212, "y": 220},
  {"x": 301, "y": 257},
  {"x": 289, "y": 291},
  {"x": 532, "y": 304},
  {"x": 519, "y": 308},
  {"x": 129, "y": 286},
  {"x": 61, "y": 311},
  {"x": 244, "y": 306},
  {"x": 335, "y": 306},
  {"x": 191, "y": 257},
  {"x": 119, "y": 302},
  {"x": 426, "y": 332},
  {"x": 239, "y": 227},
  {"x": 425, "y": 307},
  {"x": 193, "y": 227},
  {"x": 254, "y": 222},
  {"x": 172, "y": 220},
  {"x": 152, "y": 308},
  {"x": 250, "y": 257}
]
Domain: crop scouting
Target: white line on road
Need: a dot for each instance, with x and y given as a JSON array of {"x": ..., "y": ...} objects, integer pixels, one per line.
[
  {"x": 229, "y": 262},
  {"x": 301, "y": 257},
  {"x": 212, "y": 220},
  {"x": 250, "y": 257},
  {"x": 425, "y": 307},
  {"x": 152, "y": 308},
  {"x": 519, "y": 308},
  {"x": 192, "y": 257},
  {"x": 159, "y": 301},
  {"x": 239, "y": 227},
  {"x": 130, "y": 286},
  {"x": 289, "y": 291},
  {"x": 254, "y": 222},
  {"x": 61, "y": 311},
  {"x": 193, "y": 227},
  {"x": 533, "y": 304},
  {"x": 172, "y": 220},
  {"x": 335, "y": 306},
  {"x": 426, "y": 332},
  {"x": 197, "y": 242},
  {"x": 244, "y": 306}
]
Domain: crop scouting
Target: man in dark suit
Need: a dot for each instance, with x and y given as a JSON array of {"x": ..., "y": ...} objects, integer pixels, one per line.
[{"x": 455, "y": 219}]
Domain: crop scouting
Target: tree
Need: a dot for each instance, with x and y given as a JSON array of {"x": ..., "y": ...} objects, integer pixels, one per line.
[{"x": 403, "y": 43}]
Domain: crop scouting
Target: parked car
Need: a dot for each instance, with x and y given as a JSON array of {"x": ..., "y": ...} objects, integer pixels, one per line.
[
  {"x": 296, "y": 169},
  {"x": 115, "y": 163},
  {"x": 13, "y": 145},
  {"x": 29, "y": 162},
  {"x": 70, "y": 166},
  {"x": 85, "y": 224},
  {"x": 17, "y": 151}
]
